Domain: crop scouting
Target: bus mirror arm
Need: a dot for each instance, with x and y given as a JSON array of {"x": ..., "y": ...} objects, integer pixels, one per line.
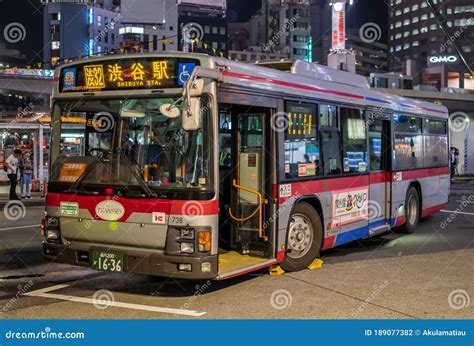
[
  {"x": 261, "y": 202},
  {"x": 192, "y": 92}
]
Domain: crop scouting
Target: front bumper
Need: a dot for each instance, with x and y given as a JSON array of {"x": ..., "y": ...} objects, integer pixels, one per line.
[{"x": 140, "y": 263}]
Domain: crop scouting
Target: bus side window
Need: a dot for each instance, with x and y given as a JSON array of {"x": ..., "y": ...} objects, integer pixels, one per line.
[
  {"x": 375, "y": 143},
  {"x": 330, "y": 140},
  {"x": 409, "y": 152},
  {"x": 302, "y": 152},
  {"x": 354, "y": 140}
]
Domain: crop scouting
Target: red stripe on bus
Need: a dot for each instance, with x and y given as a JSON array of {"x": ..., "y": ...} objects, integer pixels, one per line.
[
  {"x": 378, "y": 178},
  {"x": 136, "y": 205},
  {"x": 432, "y": 210},
  {"x": 290, "y": 85},
  {"x": 422, "y": 173},
  {"x": 325, "y": 185}
]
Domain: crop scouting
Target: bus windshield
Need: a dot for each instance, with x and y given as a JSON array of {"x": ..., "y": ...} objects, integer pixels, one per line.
[{"x": 127, "y": 143}]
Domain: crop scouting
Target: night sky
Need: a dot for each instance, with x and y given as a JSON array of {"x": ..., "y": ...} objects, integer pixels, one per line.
[{"x": 241, "y": 11}]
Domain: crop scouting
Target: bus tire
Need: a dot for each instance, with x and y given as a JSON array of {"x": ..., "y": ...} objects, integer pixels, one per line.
[
  {"x": 304, "y": 238},
  {"x": 412, "y": 211}
]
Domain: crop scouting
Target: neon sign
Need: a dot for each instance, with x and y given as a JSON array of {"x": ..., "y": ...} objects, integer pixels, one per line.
[{"x": 443, "y": 59}]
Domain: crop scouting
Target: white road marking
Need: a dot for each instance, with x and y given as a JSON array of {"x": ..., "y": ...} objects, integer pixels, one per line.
[
  {"x": 44, "y": 293},
  {"x": 18, "y": 227},
  {"x": 456, "y": 212}
]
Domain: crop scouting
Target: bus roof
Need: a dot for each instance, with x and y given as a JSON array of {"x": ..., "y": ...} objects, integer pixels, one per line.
[
  {"x": 322, "y": 82},
  {"x": 304, "y": 79}
]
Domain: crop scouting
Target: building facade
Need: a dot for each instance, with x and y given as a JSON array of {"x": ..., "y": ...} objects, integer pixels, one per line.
[
  {"x": 283, "y": 27},
  {"x": 149, "y": 25},
  {"x": 203, "y": 26},
  {"x": 417, "y": 42},
  {"x": 74, "y": 29},
  {"x": 371, "y": 56}
]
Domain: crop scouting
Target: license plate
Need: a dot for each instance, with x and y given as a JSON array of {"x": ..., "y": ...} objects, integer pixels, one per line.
[{"x": 110, "y": 261}]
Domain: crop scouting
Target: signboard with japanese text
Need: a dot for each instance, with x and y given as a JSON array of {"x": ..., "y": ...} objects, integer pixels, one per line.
[
  {"x": 127, "y": 74},
  {"x": 338, "y": 26},
  {"x": 350, "y": 206}
]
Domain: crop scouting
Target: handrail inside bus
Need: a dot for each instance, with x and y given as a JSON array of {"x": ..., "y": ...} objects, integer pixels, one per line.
[{"x": 261, "y": 202}]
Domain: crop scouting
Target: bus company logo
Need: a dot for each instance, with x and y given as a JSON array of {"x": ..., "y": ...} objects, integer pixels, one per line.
[
  {"x": 110, "y": 210},
  {"x": 69, "y": 82}
]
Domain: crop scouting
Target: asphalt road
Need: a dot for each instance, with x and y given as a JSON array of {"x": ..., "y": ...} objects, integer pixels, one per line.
[{"x": 428, "y": 274}]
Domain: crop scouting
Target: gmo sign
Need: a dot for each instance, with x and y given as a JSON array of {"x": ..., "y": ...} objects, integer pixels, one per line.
[{"x": 445, "y": 59}]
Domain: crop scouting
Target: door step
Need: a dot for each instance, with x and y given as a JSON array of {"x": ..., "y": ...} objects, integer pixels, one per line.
[{"x": 379, "y": 230}]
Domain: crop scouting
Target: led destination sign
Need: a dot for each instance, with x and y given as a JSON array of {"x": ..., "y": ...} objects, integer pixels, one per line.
[{"x": 127, "y": 74}]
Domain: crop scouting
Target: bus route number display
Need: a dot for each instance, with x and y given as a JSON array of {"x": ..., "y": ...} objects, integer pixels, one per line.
[
  {"x": 301, "y": 122},
  {"x": 127, "y": 74}
]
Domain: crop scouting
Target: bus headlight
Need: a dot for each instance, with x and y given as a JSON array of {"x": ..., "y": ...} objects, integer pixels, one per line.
[
  {"x": 187, "y": 233},
  {"x": 187, "y": 248},
  {"x": 204, "y": 241},
  {"x": 52, "y": 235}
]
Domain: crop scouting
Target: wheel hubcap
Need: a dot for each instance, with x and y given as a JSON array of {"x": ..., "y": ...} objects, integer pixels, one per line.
[
  {"x": 412, "y": 210},
  {"x": 300, "y": 236}
]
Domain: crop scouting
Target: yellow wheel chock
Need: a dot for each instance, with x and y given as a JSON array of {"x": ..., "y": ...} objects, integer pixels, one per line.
[
  {"x": 276, "y": 270},
  {"x": 316, "y": 264}
]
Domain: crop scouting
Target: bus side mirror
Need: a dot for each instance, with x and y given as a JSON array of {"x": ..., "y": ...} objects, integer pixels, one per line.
[{"x": 192, "y": 114}]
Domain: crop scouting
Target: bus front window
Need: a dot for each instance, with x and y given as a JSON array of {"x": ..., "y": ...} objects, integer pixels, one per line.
[{"x": 128, "y": 143}]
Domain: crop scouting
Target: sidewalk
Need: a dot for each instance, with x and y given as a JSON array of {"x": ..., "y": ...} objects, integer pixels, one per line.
[{"x": 35, "y": 200}]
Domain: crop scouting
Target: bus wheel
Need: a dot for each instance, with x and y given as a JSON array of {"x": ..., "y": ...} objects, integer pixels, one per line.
[
  {"x": 412, "y": 210},
  {"x": 304, "y": 240}
]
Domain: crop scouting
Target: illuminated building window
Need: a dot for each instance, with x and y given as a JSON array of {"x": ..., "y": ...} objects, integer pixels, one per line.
[{"x": 55, "y": 45}]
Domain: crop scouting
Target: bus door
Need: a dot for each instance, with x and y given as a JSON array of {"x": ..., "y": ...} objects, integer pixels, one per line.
[
  {"x": 245, "y": 182},
  {"x": 380, "y": 145}
]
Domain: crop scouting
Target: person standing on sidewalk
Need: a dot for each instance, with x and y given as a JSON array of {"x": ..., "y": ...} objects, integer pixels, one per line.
[
  {"x": 12, "y": 172},
  {"x": 26, "y": 169}
]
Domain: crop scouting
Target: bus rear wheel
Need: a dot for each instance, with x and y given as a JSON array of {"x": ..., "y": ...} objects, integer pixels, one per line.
[
  {"x": 305, "y": 235},
  {"x": 412, "y": 210}
]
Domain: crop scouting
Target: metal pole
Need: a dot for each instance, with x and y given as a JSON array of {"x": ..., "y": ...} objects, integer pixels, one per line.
[{"x": 40, "y": 158}]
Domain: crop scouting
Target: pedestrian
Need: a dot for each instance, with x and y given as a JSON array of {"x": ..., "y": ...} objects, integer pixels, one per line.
[
  {"x": 453, "y": 161},
  {"x": 456, "y": 160},
  {"x": 12, "y": 172},
  {"x": 26, "y": 169}
]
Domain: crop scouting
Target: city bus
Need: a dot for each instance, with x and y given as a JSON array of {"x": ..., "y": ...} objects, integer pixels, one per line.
[{"x": 196, "y": 167}]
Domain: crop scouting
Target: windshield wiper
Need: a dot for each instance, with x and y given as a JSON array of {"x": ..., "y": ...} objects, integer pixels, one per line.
[
  {"x": 74, "y": 188},
  {"x": 136, "y": 172}
]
